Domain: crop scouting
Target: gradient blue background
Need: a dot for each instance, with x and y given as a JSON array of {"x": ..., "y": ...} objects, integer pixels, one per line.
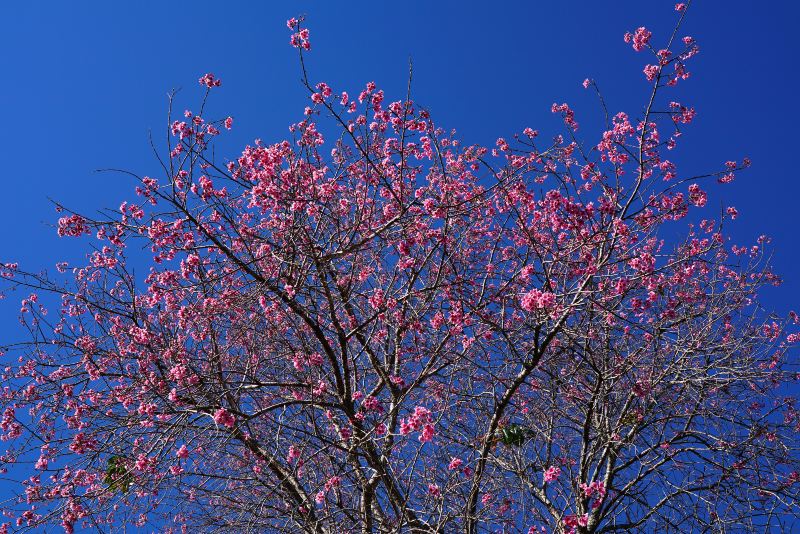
[{"x": 82, "y": 83}]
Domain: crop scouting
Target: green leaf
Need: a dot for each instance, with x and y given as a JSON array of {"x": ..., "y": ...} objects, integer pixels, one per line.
[
  {"x": 118, "y": 477},
  {"x": 513, "y": 435}
]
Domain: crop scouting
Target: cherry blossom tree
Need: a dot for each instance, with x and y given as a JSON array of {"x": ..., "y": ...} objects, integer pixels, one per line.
[{"x": 372, "y": 327}]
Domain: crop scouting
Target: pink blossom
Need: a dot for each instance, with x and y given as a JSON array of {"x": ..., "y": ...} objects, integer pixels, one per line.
[
  {"x": 538, "y": 300},
  {"x": 209, "y": 80},
  {"x": 552, "y": 473},
  {"x": 420, "y": 421},
  {"x": 377, "y": 299},
  {"x": 567, "y": 113},
  {"x": 224, "y": 417},
  {"x": 397, "y": 380},
  {"x": 300, "y": 37},
  {"x": 697, "y": 195},
  {"x": 437, "y": 321},
  {"x": 72, "y": 226},
  {"x": 41, "y": 463},
  {"x": 371, "y": 404},
  {"x": 597, "y": 488},
  {"x": 640, "y": 38},
  {"x": 427, "y": 433},
  {"x": 144, "y": 463}
]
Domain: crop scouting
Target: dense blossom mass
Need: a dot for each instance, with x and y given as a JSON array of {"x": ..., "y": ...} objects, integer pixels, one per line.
[{"x": 373, "y": 327}]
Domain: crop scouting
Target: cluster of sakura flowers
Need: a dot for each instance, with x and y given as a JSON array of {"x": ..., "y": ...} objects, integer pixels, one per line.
[
  {"x": 640, "y": 39},
  {"x": 420, "y": 421},
  {"x": 536, "y": 299},
  {"x": 224, "y": 417},
  {"x": 299, "y": 38},
  {"x": 209, "y": 80},
  {"x": 331, "y": 483}
]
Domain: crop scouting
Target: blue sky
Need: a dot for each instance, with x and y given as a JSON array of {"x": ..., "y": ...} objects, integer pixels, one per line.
[{"x": 84, "y": 83}]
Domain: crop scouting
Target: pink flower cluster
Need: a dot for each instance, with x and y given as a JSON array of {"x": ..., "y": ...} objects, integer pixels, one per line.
[
  {"x": 13, "y": 429},
  {"x": 651, "y": 71},
  {"x": 567, "y": 113},
  {"x": 572, "y": 522},
  {"x": 293, "y": 454},
  {"x": 144, "y": 463},
  {"x": 538, "y": 300},
  {"x": 224, "y": 417},
  {"x": 437, "y": 321},
  {"x": 331, "y": 483},
  {"x": 371, "y": 404},
  {"x": 299, "y": 38},
  {"x": 596, "y": 488},
  {"x": 552, "y": 473},
  {"x": 72, "y": 226},
  {"x": 640, "y": 38},
  {"x": 697, "y": 196},
  {"x": 644, "y": 263},
  {"x": 182, "y": 452},
  {"x": 421, "y": 421},
  {"x": 209, "y": 80},
  {"x": 377, "y": 300}
]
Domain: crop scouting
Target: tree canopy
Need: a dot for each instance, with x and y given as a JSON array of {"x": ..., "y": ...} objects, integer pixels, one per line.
[{"x": 373, "y": 327}]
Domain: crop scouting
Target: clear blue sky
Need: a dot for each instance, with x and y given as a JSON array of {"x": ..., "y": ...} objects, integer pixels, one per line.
[{"x": 83, "y": 83}]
